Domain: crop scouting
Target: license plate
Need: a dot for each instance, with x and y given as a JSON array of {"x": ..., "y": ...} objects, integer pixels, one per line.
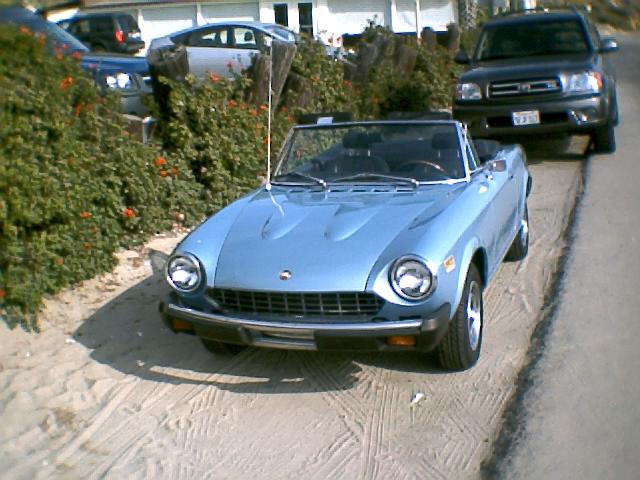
[{"x": 530, "y": 117}]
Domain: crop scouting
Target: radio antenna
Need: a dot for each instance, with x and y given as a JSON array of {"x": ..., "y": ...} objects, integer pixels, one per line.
[{"x": 269, "y": 43}]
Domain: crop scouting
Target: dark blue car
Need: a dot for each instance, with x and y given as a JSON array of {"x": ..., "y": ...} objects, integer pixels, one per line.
[{"x": 126, "y": 74}]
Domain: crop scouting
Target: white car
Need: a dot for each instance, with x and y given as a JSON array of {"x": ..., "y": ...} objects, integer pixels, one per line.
[{"x": 223, "y": 48}]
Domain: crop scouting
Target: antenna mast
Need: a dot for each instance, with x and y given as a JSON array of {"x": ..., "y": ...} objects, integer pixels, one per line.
[{"x": 269, "y": 42}]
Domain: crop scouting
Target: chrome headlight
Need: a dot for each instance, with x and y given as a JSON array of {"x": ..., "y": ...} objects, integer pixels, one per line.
[
  {"x": 183, "y": 273},
  {"x": 411, "y": 278},
  {"x": 582, "y": 82},
  {"x": 122, "y": 81},
  {"x": 468, "y": 91}
]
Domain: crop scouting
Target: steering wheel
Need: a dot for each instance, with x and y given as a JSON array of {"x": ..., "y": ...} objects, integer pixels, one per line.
[{"x": 426, "y": 163}]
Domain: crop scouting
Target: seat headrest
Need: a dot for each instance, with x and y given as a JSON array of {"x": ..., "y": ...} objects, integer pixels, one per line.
[
  {"x": 356, "y": 140},
  {"x": 442, "y": 141}
]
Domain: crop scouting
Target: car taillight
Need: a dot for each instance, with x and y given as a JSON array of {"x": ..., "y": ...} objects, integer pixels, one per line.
[{"x": 120, "y": 36}]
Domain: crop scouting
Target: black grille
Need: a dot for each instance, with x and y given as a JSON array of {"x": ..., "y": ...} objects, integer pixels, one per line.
[
  {"x": 525, "y": 87},
  {"x": 323, "y": 304}
]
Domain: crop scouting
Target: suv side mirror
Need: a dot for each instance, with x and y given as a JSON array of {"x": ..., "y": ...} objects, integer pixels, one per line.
[
  {"x": 462, "y": 58},
  {"x": 608, "y": 44}
]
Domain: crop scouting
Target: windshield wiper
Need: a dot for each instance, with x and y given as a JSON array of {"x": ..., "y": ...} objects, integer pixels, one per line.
[
  {"x": 317, "y": 180},
  {"x": 360, "y": 176}
]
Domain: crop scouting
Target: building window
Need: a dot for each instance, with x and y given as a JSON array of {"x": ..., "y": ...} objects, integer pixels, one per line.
[
  {"x": 305, "y": 12},
  {"x": 281, "y": 11}
]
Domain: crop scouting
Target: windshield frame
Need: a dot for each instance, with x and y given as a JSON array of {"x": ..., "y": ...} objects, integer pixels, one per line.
[{"x": 289, "y": 143}]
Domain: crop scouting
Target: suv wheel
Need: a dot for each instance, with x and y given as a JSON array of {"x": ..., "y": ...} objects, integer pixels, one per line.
[{"x": 604, "y": 139}]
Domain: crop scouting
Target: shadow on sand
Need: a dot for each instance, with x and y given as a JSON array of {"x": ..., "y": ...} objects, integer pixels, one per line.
[{"x": 128, "y": 335}]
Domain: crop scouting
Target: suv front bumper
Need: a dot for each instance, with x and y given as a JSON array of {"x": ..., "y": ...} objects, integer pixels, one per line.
[{"x": 564, "y": 115}]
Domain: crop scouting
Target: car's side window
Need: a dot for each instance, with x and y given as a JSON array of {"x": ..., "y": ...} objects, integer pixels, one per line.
[
  {"x": 213, "y": 38},
  {"x": 245, "y": 38}
]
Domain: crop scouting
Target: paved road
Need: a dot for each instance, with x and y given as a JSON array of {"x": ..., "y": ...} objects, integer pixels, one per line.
[{"x": 580, "y": 417}]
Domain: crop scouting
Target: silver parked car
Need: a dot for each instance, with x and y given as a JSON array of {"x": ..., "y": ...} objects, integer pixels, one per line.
[{"x": 222, "y": 48}]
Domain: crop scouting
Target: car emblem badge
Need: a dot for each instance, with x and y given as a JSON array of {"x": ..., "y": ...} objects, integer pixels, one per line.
[
  {"x": 525, "y": 87},
  {"x": 285, "y": 275}
]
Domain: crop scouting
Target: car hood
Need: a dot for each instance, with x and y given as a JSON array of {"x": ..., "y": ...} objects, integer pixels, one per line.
[
  {"x": 528, "y": 67},
  {"x": 328, "y": 241},
  {"x": 112, "y": 62}
]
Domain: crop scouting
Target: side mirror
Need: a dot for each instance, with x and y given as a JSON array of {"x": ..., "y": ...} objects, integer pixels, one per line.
[
  {"x": 486, "y": 149},
  {"x": 608, "y": 44},
  {"x": 462, "y": 58},
  {"x": 497, "y": 165}
]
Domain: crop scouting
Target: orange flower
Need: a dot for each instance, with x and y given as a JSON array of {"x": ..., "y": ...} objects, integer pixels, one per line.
[
  {"x": 174, "y": 170},
  {"x": 263, "y": 108},
  {"x": 76, "y": 55},
  {"x": 346, "y": 83},
  {"x": 2, "y": 294},
  {"x": 87, "y": 246},
  {"x": 66, "y": 83},
  {"x": 253, "y": 112},
  {"x": 291, "y": 118},
  {"x": 77, "y": 110},
  {"x": 85, "y": 215},
  {"x": 160, "y": 161},
  {"x": 25, "y": 30},
  {"x": 233, "y": 104},
  {"x": 284, "y": 110},
  {"x": 214, "y": 78},
  {"x": 163, "y": 173},
  {"x": 375, "y": 100},
  {"x": 128, "y": 213},
  {"x": 59, "y": 56},
  {"x": 265, "y": 141},
  {"x": 243, "y": 105},
  {"x": 60, "y": 261}
]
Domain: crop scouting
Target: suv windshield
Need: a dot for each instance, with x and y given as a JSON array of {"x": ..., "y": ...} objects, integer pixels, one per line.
[
  {"x": 525, "y": 39},
  {"x": 372, "y": 153}
]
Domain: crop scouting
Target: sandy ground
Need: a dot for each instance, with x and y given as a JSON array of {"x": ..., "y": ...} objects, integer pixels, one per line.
[
  {"x": 106, "y": 391},
  {"x": 580, "y": 417}
]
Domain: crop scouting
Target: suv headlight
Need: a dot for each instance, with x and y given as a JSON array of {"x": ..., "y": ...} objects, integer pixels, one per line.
[
  {"x": 411, "y": 278},
  {"x": 468, "y": 91},
  {"x": 582, "y": 82},
  {"x": 183, "y": 273}
]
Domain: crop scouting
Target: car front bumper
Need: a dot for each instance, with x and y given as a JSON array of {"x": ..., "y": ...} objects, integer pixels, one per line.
[
  {"x": 558, "y": 116},
  {"x": 295, "y": 335}
]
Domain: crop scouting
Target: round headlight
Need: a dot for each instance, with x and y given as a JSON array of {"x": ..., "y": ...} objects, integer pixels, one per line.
[
  {"x": 411, "y": 278},
  {"x": 183, "y": 273}
]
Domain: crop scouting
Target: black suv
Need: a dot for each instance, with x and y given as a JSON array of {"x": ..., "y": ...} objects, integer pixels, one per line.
[
  {"x": 539, "y": 72},
  {"x": 106, "y": 32}
]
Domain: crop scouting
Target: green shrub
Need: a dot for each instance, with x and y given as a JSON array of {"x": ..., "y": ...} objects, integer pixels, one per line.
[
  {"x": 74, "y": 186},
  {"x": 222, "y": 139}
]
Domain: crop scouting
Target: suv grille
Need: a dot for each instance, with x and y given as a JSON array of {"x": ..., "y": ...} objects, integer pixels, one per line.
[
  {"x": 300, "y": 304},
  {"x": 524, "y": 87}
]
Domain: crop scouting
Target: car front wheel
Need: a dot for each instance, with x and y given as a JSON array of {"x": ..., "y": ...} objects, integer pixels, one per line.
[{"x": 459, "y": 349}]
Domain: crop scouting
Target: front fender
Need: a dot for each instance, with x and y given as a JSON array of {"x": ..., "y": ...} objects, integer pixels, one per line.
[{"x": 469, "y": 252}]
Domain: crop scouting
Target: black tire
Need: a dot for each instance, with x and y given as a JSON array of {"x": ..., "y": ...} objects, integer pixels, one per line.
[
  {"x": 221, "y": 348},
  {"x": 520, "y": 246},
  {"x": 604, "y": 139},
  {"x": 460, "y": 348}
]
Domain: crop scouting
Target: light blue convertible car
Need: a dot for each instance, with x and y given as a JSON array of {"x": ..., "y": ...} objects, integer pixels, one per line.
[{"x": 369, "y": 236}]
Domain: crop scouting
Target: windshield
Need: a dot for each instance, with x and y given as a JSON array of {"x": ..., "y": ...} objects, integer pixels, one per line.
[
  {"x": 281, "y": 32},
  {"x": 531, "y": 39},
  {"x": 372, "y": 153}
]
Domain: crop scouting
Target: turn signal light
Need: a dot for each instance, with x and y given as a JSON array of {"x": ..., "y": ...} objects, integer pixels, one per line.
[
  {"x": 181, "y": 325},
  {"x": 402, "y": 341}
]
